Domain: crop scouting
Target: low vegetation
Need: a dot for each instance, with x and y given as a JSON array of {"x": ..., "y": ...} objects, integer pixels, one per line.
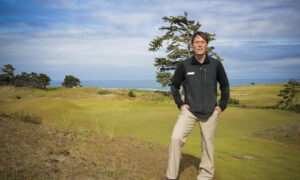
[
  {"x": 234, "y": 102},
  {"x": 108, "y": 136},
  {"x": 289, "y": 132},
  {"x": 31, "y": 118},
  {"x": 131, "y": 93},
  {"x": 29, "y": 151},
  {"x": 104, "y": 91}
]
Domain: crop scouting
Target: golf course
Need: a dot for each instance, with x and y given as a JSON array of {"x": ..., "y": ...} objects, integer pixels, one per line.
[{"x": 252, "y": 142}]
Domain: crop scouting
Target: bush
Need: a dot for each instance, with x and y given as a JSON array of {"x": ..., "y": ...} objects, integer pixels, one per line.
[
  {"x": 295, "y": 108},
  {"x": 233, "y": 101},
  {"x": 103, "y": 91},
  {"x": 267, "y": 107},
  {"x": 131, "y": 93},
  {"x": 164, "y": 93}
]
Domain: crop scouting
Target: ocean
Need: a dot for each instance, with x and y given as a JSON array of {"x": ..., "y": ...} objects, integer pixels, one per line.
[{"x": 152, "y": 85}]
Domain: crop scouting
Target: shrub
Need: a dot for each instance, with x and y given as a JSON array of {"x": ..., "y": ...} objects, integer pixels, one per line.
[
  {"x": 295, "y": 108},
  {"x": 131, "y": 93},
  {"x": 103, "y": 91},
  {"x": 267, "y": 107},
  {"x": 233, "y": 101},
  {"x": 164, "y": 93}
]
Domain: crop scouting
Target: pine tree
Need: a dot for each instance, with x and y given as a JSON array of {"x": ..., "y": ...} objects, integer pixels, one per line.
[
  {"x": 8, "y": 74},
  {"x": 288, "y": 94},
  {"x": 70, "y": 81},
  {"x": 43, "y": 81},
  {"x": 177, "y": 39},
  {"x": 32, "y": 80}
]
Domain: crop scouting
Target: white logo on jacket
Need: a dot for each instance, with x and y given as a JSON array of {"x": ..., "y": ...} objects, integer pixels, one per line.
[{"x": 190, "y": 73}]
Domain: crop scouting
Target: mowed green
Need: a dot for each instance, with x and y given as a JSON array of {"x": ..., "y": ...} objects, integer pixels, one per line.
[
  {"x": 152, "y": 116},
  {"x": 258, "y": 95}
]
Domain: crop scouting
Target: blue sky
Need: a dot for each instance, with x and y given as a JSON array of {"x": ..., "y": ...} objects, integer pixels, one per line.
[{"x": 109, "y": 40}]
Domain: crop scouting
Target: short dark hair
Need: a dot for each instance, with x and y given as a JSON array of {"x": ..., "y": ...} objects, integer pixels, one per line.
[{"x": 204, "y": 35}]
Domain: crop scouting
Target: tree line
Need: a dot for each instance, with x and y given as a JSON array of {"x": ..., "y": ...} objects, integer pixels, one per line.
[{"x": 32, "y": 79}]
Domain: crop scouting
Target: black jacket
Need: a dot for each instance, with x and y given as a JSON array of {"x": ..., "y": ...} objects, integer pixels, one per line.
[{"x": 200, "y": 85}]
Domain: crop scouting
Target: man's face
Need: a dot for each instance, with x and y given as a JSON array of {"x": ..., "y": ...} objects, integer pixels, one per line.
[{"x": 199, "y": 45}]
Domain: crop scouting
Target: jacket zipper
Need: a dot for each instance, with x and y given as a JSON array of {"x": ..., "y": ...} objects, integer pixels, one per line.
[
  {"x": 201, "y": 88},
  {"x": 204, "y": 73},
  {"x": 201, "y": 79}
]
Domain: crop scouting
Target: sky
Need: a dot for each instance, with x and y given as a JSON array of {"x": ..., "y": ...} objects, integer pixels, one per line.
[{"x": 109, "y": 40}]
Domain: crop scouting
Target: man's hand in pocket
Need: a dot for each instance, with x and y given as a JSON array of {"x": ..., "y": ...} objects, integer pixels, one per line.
[
  {"x": 184, "y": 106},
  {"x": 217, "y": 108}
]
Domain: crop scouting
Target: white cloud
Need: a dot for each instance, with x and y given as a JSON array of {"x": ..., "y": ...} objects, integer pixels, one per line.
[
  {"x": 76, "y": 5},
  {"x": 241, "y": 19},
  {"x": 97, "y": 34},
  {"x": 124, "y": 19},
  {"x": 257, "y": 42},
  {"x": 284, "y": 68},
  {"x": 71, "y": 49},
  {"x": 294, "y": 62}
]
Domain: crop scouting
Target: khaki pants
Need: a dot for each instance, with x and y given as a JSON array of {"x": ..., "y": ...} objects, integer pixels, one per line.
[{"x": 185, "y": 123}]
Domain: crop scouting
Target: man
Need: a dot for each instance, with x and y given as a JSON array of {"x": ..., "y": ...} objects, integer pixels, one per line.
[{"x": 199, "y": 76}]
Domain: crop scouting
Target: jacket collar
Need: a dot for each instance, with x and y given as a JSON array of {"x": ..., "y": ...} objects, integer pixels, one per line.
[{"x": 196, "y": 62}]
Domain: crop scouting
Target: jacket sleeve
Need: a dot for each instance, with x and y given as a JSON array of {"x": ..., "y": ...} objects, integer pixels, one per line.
[
  {"x": 176, "y": 81},
  {"x": 224, "y": 86}
]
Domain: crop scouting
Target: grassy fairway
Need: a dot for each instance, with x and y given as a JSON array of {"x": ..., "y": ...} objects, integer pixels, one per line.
[
  {"x": 238, "y": 154},
  {"x": 259, "y": 95}
]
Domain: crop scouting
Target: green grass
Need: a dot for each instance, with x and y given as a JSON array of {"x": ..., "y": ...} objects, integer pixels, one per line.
[
  {"x": 152, "y": 117},
  {"x": 258, "y": 95}
]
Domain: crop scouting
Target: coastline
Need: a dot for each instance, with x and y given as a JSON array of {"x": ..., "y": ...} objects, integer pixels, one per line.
[{"x": 152, "y": 85}]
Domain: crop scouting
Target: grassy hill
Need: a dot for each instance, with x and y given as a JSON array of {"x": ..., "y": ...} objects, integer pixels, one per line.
[
  {"x": 243, "y": 148},
  {"x": 31, "y": 151}
]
